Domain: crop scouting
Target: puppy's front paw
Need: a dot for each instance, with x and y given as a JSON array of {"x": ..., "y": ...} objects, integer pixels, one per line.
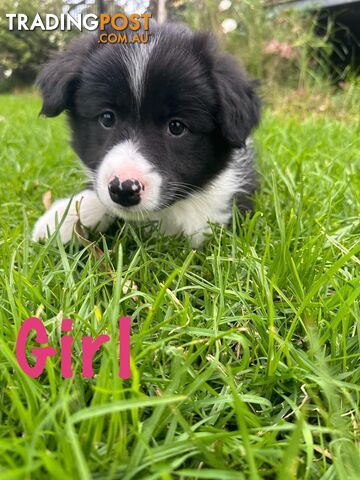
[
  {"x": 47, "y": 223},
  {"x": 65, "y": 213}
]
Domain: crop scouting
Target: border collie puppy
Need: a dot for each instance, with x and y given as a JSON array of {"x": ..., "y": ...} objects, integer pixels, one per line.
[{"x": 163, "y": 129}]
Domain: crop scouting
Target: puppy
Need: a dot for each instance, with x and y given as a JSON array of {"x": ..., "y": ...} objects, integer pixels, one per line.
[{"x": 163, "y": 129}]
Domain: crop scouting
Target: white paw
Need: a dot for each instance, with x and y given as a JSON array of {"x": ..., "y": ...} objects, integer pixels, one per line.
[
  {"x": 197, "y": 239},
  {"x": 65, "y": 213}
]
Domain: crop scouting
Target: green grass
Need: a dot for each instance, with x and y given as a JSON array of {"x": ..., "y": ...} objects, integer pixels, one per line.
[{"x": 245, "y": 354}]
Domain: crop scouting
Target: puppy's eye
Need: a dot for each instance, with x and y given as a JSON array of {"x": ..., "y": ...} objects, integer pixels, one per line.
[
  {"x": 107, "y": 119},
  {"x": 176, "y": 127}
]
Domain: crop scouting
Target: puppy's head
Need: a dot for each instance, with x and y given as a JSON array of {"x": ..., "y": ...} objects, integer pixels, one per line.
[{"x": 154, "y": 122}]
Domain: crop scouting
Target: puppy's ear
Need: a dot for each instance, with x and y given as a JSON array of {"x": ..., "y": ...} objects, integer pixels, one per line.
[
  {"x": 239, "y": 104},
  {"x": 59, "y": 78}
]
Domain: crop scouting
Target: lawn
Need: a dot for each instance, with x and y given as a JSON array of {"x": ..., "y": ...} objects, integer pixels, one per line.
[{"x": 244, "y": 354}]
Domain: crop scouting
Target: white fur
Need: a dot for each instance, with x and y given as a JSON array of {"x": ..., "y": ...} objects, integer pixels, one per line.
[
  {"x": 189, "y": 216},
  {"x": 64, "y": 214},
  {"x": 137, "y": 55},
  {"x": 124, "y": 160}
]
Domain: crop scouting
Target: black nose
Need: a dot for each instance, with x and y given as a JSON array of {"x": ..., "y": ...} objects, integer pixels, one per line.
[{"x": 125, "y": 193}]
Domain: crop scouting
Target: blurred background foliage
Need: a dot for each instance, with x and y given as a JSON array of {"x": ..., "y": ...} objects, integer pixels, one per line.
[
  {"x": 284, "y": 48},
  {"x": 281, "y": 48},
  {"x": 22, "y": 52}
]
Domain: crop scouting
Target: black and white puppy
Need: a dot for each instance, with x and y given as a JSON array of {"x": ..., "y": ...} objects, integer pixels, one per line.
[{"x": 162, "y": 127}]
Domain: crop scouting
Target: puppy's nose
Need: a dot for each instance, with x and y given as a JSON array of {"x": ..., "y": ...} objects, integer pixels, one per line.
[{"x": 126, "y": 193}]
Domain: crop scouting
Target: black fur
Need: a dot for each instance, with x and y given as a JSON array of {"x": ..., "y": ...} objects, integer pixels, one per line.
[{"x": 186, "y": 77}]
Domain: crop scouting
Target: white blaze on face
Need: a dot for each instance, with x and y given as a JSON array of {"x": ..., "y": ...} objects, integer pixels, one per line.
[
  {"x": 137, "y": 57},
  {"x": 126, "y": 162}
]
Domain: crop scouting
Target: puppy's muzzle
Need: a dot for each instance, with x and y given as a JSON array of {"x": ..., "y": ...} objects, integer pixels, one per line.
[{"x": 126, "y": 193}]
